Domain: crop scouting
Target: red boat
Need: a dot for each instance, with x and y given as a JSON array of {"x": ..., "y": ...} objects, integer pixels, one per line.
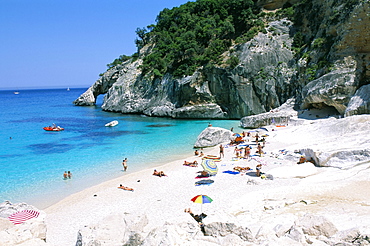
[{"x": 53, "y": 128}]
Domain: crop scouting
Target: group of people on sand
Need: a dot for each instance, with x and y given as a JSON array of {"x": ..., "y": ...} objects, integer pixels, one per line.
[
  {"x": 67, "y": 175},
  {"x": 239, "y": 152},
  {"x": 196, "y": 153}
]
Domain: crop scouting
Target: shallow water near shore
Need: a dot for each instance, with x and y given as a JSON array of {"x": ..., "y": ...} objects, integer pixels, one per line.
[{"x": 33, "y": 160}]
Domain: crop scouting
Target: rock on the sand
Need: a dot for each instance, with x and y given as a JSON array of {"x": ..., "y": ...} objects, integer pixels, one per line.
[
  {"x": 212, "y": 136},
  {"x": 294, "y": 171}
]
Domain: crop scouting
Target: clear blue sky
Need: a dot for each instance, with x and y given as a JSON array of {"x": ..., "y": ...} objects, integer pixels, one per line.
[{"x": 68, "y": 43}]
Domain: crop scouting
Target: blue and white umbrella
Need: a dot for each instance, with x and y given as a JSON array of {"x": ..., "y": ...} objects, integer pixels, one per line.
[{"x": 209, "y": 166}]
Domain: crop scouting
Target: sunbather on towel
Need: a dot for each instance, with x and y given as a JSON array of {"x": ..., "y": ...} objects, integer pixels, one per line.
[
  {"x": 241, "y": 169},
  {"x": 190, "y": 164},
  {"x": 125, "y": 188},
  {"x": 159, "y": 174},
  {"x": 203, "y": 174}
]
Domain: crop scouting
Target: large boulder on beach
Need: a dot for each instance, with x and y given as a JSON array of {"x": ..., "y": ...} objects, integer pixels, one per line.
[
  {"x": 31, "y": 232},
  {"x": 212, "y": 136},
  {"x": 360, "y": 102},
  {"x": 7, "y": 208},
  {"x": 220, "y": 229},
  {"x": 114, "y": 229},
  {"x": 174, "y": 234},
  {"x": 314, "y": 225},
  {"x": 333, "y": 89},
  {"x": 279, "y": 116}
]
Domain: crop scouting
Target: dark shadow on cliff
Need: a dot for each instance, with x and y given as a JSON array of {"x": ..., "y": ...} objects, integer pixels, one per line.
[{"x": 314, "y": 113}]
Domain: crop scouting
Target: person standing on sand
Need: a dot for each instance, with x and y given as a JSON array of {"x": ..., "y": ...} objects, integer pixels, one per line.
[
  {"x": 258, "y": 170},
  {"x": 247, "y": 152},
  {"x": 221, "y": 151},
  {"x": 124, "y": 164},
  {"x": 259, "y": 149}
]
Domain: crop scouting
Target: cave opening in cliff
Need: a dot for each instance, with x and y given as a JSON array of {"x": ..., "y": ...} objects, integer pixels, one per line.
[
  {"x": 319, "y": 110},
  {"x": 99, "y": 100}
]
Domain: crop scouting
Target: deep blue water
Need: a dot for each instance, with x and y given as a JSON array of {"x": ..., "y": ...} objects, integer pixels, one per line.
[{"x": 32, "y": 161}]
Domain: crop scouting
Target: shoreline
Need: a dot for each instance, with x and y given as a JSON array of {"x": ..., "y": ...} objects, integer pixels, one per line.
[
  {"x": 243, "y": 198},
  {"x": 101, "y": 195},
  {"x": 43, "y": 203}
]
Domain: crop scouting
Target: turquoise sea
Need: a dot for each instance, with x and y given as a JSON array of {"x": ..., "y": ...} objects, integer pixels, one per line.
[{"x": 32, "y": 161}]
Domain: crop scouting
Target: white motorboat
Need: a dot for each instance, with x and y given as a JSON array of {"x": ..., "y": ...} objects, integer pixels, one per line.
[{"x": 112, "y": 123}]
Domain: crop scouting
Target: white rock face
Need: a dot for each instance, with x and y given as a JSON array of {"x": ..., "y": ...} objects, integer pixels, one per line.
[
  {"x": 296, "y": 171},
  {"x": 30, "y": 233},
  {"x": 115, "y": 229},
  {"x": 341, "y": 143},
  {"x": 333, "y": 89},
  {"x": 360, "y": 102},
  {"x": 316, "y": 225},
  {"x": 212, "y": 136}
]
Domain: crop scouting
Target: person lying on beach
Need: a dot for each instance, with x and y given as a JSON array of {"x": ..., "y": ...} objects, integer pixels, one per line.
[
  {"x": 159, "y": 174},
  {"x": 241, "y": 169},
  {"x": 124, "y": 188},
  {"x": 191, "y": 164},
  {"x": 203, "y": 174},
  {"x": 302, "y": 159}
]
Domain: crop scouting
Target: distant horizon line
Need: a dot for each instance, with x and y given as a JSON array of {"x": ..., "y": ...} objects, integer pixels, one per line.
[{"x": 42, "y": 87}]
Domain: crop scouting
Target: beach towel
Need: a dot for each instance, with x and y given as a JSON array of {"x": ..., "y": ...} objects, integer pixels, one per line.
[
  {"x": 231, "y": 172},
  {"x": 204, "y": 182}
]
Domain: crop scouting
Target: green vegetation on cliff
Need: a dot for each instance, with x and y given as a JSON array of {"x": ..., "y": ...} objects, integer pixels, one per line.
[{"x": 195, "y": 34}]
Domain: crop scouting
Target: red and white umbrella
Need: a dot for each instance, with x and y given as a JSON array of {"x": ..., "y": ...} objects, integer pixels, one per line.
[{"x": 22, "y": 216}]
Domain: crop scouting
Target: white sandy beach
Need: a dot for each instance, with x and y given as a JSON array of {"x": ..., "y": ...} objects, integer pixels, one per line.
[{"x": 339, "y": 194}]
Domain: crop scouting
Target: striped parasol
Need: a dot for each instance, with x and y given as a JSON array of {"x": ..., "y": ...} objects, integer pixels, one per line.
[
  {"x": 22, "y": 216},
  {"x": 201, "y": 199},
  {"x": 209, "y": 166}
]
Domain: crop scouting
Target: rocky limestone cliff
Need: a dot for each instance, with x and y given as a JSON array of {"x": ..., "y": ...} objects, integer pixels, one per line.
[{"x": 328, "y": 70}]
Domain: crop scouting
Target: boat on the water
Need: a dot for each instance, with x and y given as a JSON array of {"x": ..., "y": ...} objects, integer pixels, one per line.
[
  {"x": 53, "y": 128},
  {"x": 112, "y": 123}
]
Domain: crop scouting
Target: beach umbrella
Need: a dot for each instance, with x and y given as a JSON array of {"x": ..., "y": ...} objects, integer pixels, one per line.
[
  {"x": 22, "y": 216},
  {"x": 209, "y": 166},
  {"x": 201, "y": 199}
]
